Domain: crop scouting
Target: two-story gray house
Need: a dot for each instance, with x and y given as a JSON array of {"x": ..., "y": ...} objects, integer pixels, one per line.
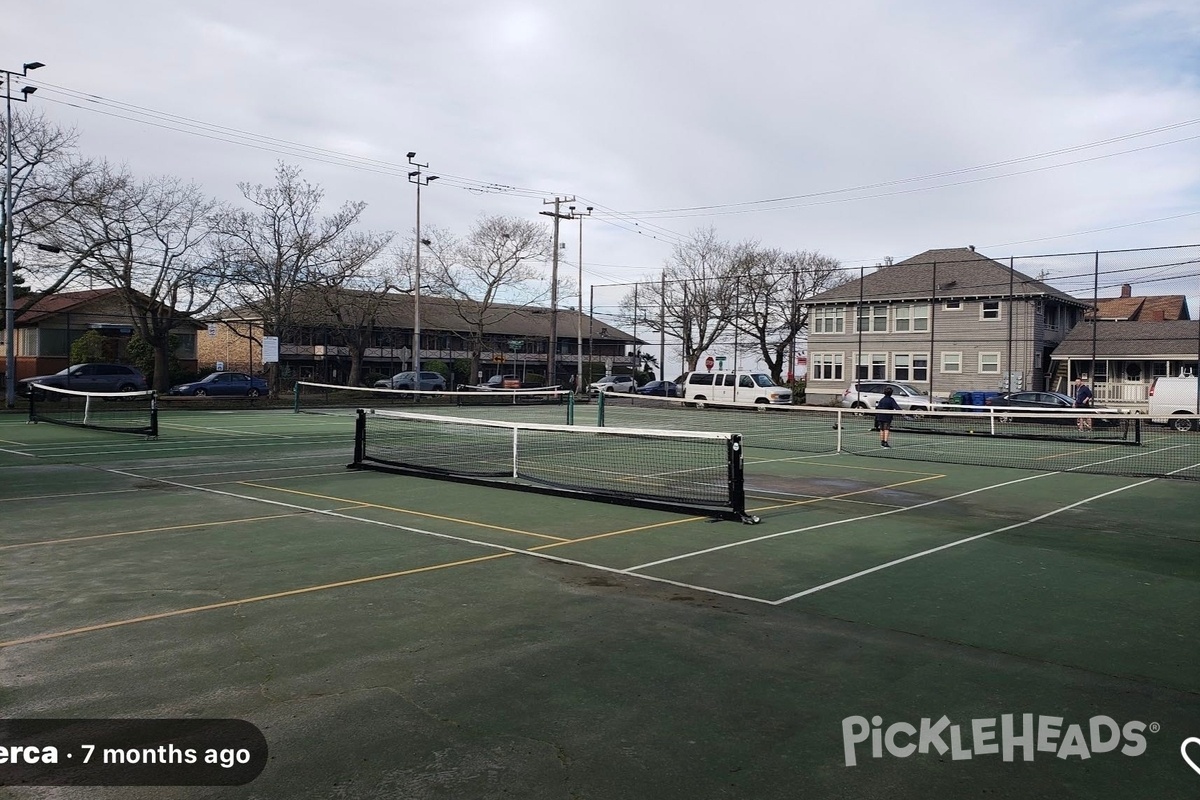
[{"x": 942, "y": 321}]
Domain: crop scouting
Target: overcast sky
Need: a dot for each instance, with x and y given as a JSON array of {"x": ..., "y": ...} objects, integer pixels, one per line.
[{"x": 648, "y": 109}]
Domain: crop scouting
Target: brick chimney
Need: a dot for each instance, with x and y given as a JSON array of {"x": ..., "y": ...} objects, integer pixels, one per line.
[{"x": 1126, "y": 290}]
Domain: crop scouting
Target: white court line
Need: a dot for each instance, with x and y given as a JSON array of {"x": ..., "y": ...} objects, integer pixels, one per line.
[
  {"x": 248, "y": 471},
  {"x": 17, "y": 452},
  {"x": 230, "y": 431},
  {"x": 947, "y": 546},
  {"x": 450, "y": 537},
  {"x": 70, "y": 494},
  {"x": 755, "y": 539}
]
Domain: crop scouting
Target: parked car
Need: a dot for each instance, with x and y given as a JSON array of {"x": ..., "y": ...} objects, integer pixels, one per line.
[
  {"x": 504, "y": 382},
  {"x": 613, "y": 383},
  {"x": 90, "y": 378},
  {"x": 430, "y": 382},
  {"x": 865, "y": 394},
  {"x": 223, "y": 384},
  {"x": 1173, "y": 402},
  {"x": 1055, "y": 404},
  {"x": 661, "y": 389},
  {"x": 739, "y": 388}
]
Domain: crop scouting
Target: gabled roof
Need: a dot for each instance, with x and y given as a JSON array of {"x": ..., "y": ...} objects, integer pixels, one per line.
[
  {"x": 959, "y": 273},
  {"x": 1114, "y": 339},
  {"x": 395, "y": 310},
  {"x": 1150, "y": 308},
  {"x": 52, "y": 304},
  {"x": 33, "y": 310}
]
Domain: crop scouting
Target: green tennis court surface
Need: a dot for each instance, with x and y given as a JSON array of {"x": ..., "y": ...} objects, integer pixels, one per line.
[{"x": 405, "y": 637}]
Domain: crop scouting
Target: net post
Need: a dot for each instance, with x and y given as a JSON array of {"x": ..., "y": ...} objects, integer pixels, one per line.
[
  {"x": 360, "y": 437},
  {"x": 839, "y": 424},
  {"x": 153, "y": 430},
  {"x": 1137, "y": 430},
  {"x": 515, "y": 440},
  {"x": 571, "y": 408},
  {"x": 296, "y": 398},
  {"x": 600, "y": 409},
  {"x": 737, "y": 479}
]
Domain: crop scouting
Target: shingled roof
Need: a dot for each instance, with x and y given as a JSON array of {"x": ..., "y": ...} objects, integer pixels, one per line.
[
  {"x": 960, "y": 274},
  {"x": 1171, "y": 339},
  {"x": 1147, "y": 309}
]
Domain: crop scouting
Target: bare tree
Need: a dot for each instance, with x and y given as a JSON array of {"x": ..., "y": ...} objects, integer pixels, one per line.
[
  {"x": 281, "y": 247},
  {"x": 150, "y": 240},
  {"x": 46, "y": 177},
  {"x": 489, "y": 275},
  {"x": 350, "y": 304},
  {"x": 695, "y": 296},
  {"x": 771, "y": 286}
]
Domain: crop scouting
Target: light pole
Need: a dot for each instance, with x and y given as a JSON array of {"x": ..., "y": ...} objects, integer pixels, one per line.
[
  {"x": 579, "y": 317},
  {"x": 10, "y": 313},
  {"x": 420, "y": 179},
  {"x": 552, "y": 356}
]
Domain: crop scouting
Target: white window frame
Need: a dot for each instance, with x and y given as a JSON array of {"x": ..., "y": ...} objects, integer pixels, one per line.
[
  {"x": 836, "y": 362},
  {"x": 983, "y": 310},
  {"x": 875, "y": 316},
  {"x": 957, "y": 370},
  {"x": 828, "y": 320},
  {"x": 982, "y": 366},
  {"x": 875, "y": 364},
  {"x": 952, "y": 305},
  {"x": 911, "y": 366},
  {"x": 915, "y": 318}
]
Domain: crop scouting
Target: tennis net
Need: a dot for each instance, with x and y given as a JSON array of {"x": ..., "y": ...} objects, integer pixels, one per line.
[
  {"x": 1112, "y": 444},
  {"x": 540, "y": 405},
  {"x": 120, "y": 412},
  {"x": 673, "y": 470}
]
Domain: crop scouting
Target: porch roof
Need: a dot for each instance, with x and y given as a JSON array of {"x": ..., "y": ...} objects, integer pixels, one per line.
[{"x": 1130, "y": 339}]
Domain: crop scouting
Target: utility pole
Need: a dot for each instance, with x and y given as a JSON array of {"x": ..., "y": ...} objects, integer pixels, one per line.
[
  {"x": 420, "y": 179},
  {"x": 579, "y": 317},
  {"x": 551, "y": 357},
  {"x": 10, "y": 312}
]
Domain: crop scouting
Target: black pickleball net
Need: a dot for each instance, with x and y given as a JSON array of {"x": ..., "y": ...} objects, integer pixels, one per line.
[{"x": 683, "y": 470}]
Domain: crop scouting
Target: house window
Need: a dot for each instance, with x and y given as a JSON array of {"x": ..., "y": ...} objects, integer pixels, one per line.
[
  {"x": 828, "y": 320},
  {"x": 910, "y": 367},
  {"x": 872, "y": 366},
  {"x": 952, "y": 362},
  {"x": 989, "y": 363},
  {"x": 187, "y": 345},
  {"x": 912, "y": 318},
  {"x": 952, "y": 305},
  {"x": 990, "y": 309},
  {"x": 872, "y": 319},
  {"x": 1158, "y": 369},
  {"x": 1101, "y": 375},
  {"x": 826, "y": 366},
  {"x": 1053, "y": 317}
]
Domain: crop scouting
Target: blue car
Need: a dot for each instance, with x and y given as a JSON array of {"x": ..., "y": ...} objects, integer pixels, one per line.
[
  {"x": 660, "y": 389},
  {"x": 223, "y": 384}
]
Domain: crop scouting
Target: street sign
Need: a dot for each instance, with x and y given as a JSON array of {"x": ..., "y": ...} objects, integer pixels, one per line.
[
  {"x": 515, "y": 344},
  {"x": 709, "y": 362},
  {"x": 212, "y": 329},
  {"x": 497, "y": 358}
]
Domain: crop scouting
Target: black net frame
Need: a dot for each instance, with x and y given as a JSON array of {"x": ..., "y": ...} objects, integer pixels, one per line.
[
  {"x": 680, "y": 471},
  {"x": 116, "y": 412}
]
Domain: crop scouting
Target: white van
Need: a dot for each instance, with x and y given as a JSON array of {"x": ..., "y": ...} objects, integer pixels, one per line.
[
  {"x": 1172, "y": 396},
  {"x": 743, "y": 388}
]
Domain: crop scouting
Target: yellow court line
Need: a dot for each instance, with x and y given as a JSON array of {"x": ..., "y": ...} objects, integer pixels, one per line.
[
  {"x": 873, "y": 469},
  {"x": 229, "y": 603},
  {"x": 149, "y": 530},
  {"x": 848, "y": 494},
  {"x": 407, "y": 511},
  {"x": 638, "y": 529}
]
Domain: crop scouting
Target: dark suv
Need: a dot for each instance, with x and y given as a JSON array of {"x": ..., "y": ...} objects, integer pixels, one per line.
[{"x": 91, "y": 378}]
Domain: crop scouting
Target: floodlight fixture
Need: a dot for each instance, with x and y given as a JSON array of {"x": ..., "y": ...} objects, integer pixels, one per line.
[{"x": 33, "y": 65}]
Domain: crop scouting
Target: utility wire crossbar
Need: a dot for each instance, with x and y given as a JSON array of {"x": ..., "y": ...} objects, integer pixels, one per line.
[
  {"x": 680, "y": 471},
  {"x": 119, "y": 412}
]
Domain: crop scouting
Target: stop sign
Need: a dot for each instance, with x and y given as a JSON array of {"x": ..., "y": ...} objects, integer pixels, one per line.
[{"x": 708, "y": 362}]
